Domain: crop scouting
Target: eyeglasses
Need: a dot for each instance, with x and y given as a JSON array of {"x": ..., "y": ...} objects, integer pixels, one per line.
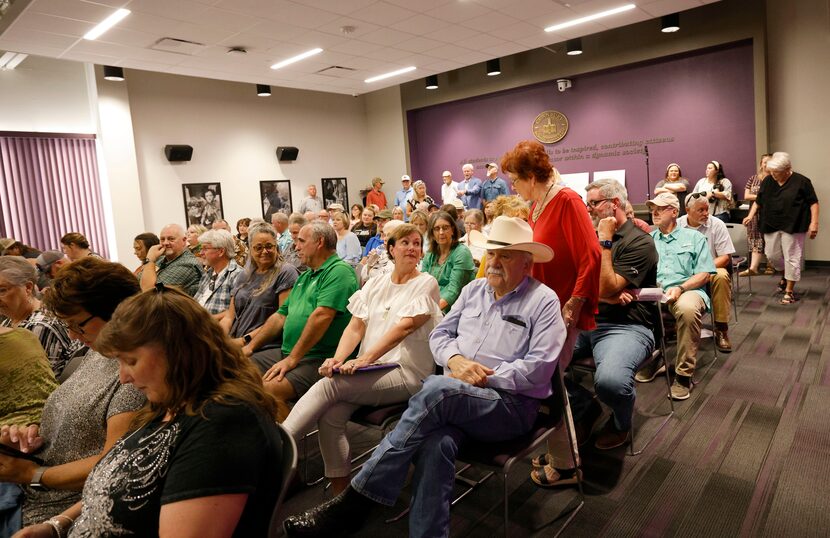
[
  {"x": 79, "y": 327},
  {"x": 259, "y": 248},
  {"x": 442, "y": 229},
  {"x": 593, "y": 204},
  {"x": 696, "y": 195}
]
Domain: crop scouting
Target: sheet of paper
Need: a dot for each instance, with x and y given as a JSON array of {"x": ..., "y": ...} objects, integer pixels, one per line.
[
  {"x": 619, "y": 175},
  {"x": 577, "y": 182}
]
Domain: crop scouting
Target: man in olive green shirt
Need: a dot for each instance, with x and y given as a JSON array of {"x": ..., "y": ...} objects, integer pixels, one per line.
[{"x": 312, "y": 319}]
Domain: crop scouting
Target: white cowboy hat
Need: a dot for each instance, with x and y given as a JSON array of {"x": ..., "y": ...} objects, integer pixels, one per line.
[{"x": 512, "y": 233}]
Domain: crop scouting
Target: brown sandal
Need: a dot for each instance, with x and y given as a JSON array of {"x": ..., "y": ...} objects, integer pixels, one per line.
[
  {"x": 788, "y": 298},
  {"x": 549, "y": 477}
]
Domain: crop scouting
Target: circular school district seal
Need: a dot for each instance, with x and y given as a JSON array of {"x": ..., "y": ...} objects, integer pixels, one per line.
[{"x": 550, "y": 127}]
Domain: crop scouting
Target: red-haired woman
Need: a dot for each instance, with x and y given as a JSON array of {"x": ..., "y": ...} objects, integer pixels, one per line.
[{"x": 559, "y": 219}]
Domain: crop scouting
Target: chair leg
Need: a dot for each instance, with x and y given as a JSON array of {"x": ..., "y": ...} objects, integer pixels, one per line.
[{"x": 632, "y": 450}]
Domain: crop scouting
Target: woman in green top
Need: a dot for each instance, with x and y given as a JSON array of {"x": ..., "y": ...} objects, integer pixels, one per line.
[{"x": 449, "y": 261}]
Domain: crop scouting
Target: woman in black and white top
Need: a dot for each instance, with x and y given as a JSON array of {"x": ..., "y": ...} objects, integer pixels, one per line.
[{"x": 202, "y": 458}]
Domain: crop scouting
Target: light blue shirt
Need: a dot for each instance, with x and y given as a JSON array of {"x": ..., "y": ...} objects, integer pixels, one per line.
[
  {"x": 401, "y": 198},
  {"x": 492, "y": 188},
  {"x": 518, "y": 336},
  {"x": 683, "y": 253},
  {"x": 285, "y": 241},
  {"x": 348, "y": 248},
  {"x": 472, "y": 193}
]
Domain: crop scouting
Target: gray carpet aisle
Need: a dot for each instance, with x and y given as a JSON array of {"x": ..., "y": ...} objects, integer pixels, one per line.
[{"x": 747, "y": 455}]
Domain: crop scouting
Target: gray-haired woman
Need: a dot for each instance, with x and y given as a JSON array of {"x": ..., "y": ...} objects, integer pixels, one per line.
[
  {"x": 221, "y": 273},
  {"x": 262, "y": 288},
  {"x": 788, "y": 208},
  {"x": 22, "y": 309}
]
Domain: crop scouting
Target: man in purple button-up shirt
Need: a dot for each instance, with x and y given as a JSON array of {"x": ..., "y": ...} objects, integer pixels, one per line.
[{"x": 499, "y": 346}]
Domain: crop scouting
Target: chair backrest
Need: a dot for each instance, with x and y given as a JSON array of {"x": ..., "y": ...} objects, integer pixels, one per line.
[
  {"x": 288, "y": 466},
  {"x": 737, "y": 232}
]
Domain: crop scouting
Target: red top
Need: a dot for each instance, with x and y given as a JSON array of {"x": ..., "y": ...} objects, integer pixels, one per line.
[
  {"x": 378, "y": 198},
  {"x": 565, "y": 226}
]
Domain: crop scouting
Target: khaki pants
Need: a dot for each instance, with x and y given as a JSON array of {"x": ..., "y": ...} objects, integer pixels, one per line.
[
  {"x": 688, "y": 311},
  {"x": 721, "y": 295}
]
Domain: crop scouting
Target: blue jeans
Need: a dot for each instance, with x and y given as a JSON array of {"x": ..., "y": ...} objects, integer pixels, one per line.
[
  {"x": 444, "y": 413},
  {"x": 618, "y": 351},
  {"x": 11, "y": 501}
]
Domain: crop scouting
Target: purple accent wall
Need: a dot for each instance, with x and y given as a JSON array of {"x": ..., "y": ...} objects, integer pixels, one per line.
[{"x": 687, "y": 109}]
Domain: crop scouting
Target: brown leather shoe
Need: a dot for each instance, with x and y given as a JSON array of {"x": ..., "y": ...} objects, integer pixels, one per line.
[
  {"x": 610, "y": 437},
  {"x": 722, "y": 341}
]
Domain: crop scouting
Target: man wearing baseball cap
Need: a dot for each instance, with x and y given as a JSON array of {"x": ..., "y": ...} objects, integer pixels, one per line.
[
  {"x": 493, "y": 186},
  {"x": 48, "y": 264},
  {"x": 381, "y": 219},
  {"x": 497, "y": 370},
  {"x": 404, "y": 195},
  {"x": 684, "y": 267},
  {"x": 376, "y": 196}
]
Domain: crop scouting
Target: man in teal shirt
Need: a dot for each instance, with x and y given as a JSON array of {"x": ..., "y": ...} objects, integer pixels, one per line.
[
  {"x": 312, "y": 319},
  {"x": 683, "y": 269}
]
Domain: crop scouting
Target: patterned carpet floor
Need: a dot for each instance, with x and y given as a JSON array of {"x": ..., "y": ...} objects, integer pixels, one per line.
[{"x": 747, "y": 455}]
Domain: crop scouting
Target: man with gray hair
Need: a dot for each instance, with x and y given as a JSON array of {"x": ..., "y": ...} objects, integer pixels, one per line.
[
  {"x": 721, "y": 247},
  {"x": 290, "y": 254},
  {"x": 312, "y": 319},
  {"x": 280, "y": 223},
  {"x": 221, "y": 274},
  {"x": 470, "y": 189},
  {"x": 171, "y": 263},
  {"x": 449, "y": 189}
]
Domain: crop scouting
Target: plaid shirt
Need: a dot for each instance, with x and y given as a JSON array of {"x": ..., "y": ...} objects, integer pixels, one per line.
[
  {"x": 185, "y": 271},
  {"x": 215, "y": 288},
  {"x": 53, "y": 336}
]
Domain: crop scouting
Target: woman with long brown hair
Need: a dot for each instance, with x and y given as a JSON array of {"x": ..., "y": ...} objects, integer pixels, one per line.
[{"x": 202, "y": 456}]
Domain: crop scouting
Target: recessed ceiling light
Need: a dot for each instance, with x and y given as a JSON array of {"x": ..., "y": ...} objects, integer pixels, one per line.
[
  {"x": 574, "y": 47},
  {"x": 114, "y": 73},
  {"x": 297, "y": 58},
  {"x": 493, "y": 67},
  {"x": 432, "y": 82},
  {"x": 106, "y": 24},
  {"x": 589, "y": 18},
  {"x": 10, "y": 60},
  {"x": 391, "y": 74},
  {"x": 670, "y": 23},
  {"x": 263, "y": 90}
]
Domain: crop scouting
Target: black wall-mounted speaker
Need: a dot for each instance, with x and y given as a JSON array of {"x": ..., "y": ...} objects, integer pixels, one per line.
[
  {"x": 178, "y": 153},
  {"x": 287, "y": 153}
]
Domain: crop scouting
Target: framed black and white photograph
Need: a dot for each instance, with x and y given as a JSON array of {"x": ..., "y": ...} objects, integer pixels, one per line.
[
  {"x": 276, "y": 198},
  {"x": 202, "y": 203},
  {"x": 334, "y": 191}
]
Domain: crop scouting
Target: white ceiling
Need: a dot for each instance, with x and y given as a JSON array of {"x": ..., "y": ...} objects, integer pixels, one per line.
[{"x": 433, "y": 35}]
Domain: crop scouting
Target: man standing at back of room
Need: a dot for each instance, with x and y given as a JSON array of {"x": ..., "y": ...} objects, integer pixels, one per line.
[
  {"x": 470, "y": 189},
  {"x": 171, "y": 263},
  {"x": 449, "y": 189},
  {"x": 404, "y": 195},
  {"x": 493, "y": 186},
  {"x": 311, "y": 203}
]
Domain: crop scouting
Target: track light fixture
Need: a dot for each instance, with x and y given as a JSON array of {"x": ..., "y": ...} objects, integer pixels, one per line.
[
  {"x": 574, "y": 47},
  {"x": 432, "y": 82},
  {"x": 493, "y": 67},
  {"x": 670, "y": 23},
  {"x": 263, "y": 90},
  {"x": 112, "y": 72}
]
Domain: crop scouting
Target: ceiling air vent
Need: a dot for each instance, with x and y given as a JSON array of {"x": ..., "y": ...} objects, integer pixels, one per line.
[
  {"x": 336, "y": 71},
  {"x": 178, "y": 46}
]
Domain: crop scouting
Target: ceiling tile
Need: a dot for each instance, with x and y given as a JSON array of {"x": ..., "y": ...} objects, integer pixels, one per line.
[
  {"x": 225, "y": 19},
  {"x": 183, "y": 10},
  {"x": 72, "y": 9},
  {"x": 456, "y": 12},
  {"x": 386, "y": 36},
  {"x": 419, "y": 44},
  {"x": 56, "y": 25},
  {"x": 382, "y": 13},
  {"x": 452, "y": 34},
  {"x": 34, "y": 37},
  {"x": 343, "y": 7},
  {"x": 389, "y": 54},
  {"x": 421, "y": 24},
  {"x": 489, "y": 23},
  {"x": 360, "y": 28}
]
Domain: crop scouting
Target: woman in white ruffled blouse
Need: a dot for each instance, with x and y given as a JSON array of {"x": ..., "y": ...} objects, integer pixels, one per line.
[{"x": 392, "y": 316}]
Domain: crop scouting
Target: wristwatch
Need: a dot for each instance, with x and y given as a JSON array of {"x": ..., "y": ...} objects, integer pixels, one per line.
[
  {"x": 36, "y": 482},
  {"x": 246, "y": 339},
  {"x": 146, "y": 261},
  {"x": 606, "y": 244},
  {"x": 682, "y": 289}
]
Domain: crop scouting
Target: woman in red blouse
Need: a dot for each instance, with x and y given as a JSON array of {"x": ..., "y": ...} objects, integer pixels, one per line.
[{"x": 559, "y": 219}]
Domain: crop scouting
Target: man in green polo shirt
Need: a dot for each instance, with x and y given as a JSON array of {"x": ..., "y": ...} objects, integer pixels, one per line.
[{"x": 311, "y": 319}]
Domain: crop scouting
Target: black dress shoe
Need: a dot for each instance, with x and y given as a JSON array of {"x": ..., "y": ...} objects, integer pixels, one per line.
[{"x": 341, "y": 516}]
